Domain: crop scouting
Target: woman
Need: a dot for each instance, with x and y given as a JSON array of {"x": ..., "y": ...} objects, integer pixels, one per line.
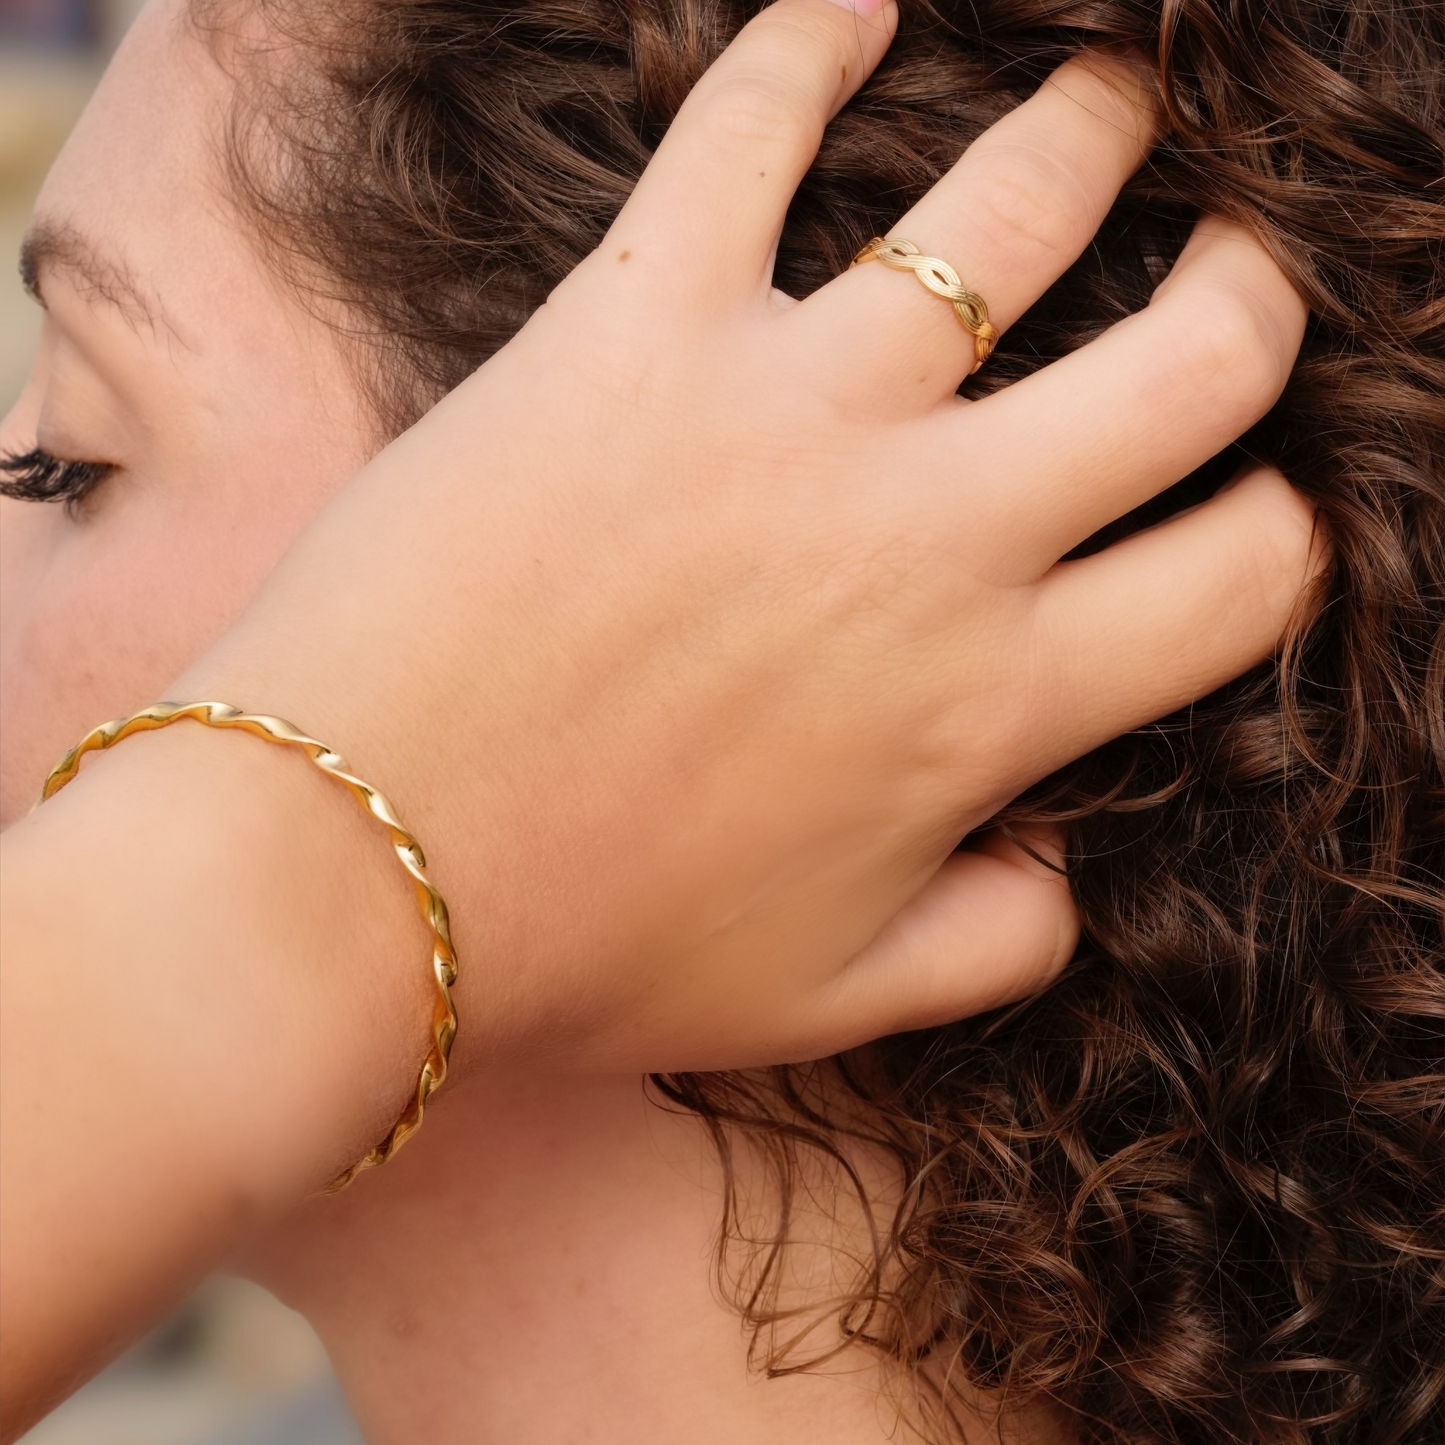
[{"x": 546, "y": 1169}]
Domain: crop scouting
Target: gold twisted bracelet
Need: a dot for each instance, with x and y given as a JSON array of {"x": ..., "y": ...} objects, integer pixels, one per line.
[
  {"x": 941, "y": 279},
  {"x": 408, "y": 850}
]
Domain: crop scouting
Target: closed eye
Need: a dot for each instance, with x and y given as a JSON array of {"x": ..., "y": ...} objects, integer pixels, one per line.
[{"x": 36, "y": 476}]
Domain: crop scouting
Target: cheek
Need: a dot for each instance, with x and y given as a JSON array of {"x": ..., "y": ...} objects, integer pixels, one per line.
[{"x": 97, "y": 616}]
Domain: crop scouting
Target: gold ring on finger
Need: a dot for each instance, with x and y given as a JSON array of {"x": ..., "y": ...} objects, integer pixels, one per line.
[{"x": 942, "y": 280}]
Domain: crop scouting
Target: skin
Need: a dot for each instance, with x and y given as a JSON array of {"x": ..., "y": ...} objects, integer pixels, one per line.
[{"x": 571, "y": 1220}]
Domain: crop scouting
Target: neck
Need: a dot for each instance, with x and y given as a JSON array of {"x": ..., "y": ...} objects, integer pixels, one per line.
[{"x": 537, "y": 1266}]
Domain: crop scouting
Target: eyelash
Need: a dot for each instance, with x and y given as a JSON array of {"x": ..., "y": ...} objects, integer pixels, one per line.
[{"x": 36, "y": 476}]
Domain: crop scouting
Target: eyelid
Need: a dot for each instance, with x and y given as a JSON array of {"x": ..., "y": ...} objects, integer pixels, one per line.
[{"x": 39, "y": 476}]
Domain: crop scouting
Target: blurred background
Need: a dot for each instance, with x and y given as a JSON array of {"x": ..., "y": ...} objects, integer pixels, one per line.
[{"x": 234, "y": 1367}]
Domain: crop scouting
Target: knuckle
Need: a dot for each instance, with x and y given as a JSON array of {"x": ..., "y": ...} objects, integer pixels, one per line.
[
  {"x": 814, "y": 50},
  {"x": 1118, "y": 96},
  {"x": 754, "y": 111},
  {"x": 1026, "y": 197},
  {"x": 1294, "y": 520},
  {"x": 1234, "y": 355},
  {"x": 1283, "y": 528}
]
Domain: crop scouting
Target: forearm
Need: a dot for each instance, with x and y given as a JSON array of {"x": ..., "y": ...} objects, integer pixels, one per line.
[{"x": 202, "y": 1022}]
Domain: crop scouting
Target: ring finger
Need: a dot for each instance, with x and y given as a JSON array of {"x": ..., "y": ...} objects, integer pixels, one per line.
[{"x": 1013, "y": 214}]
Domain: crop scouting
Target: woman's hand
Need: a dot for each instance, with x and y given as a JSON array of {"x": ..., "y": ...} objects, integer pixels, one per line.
[
  {"x": 691, "y": 634},
  {"x": 694, "y": 631}
]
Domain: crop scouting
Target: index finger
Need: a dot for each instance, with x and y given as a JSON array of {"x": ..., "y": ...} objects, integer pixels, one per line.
[{"x": 706, "y": 215}]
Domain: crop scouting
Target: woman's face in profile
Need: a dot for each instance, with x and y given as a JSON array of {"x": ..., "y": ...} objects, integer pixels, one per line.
[{"x": 225, "y": 412}]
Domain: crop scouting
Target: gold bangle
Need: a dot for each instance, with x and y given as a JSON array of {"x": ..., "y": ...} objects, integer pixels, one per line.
[
  {"x": 408, "y": 850},
  {"x": 942, "y": 280}
]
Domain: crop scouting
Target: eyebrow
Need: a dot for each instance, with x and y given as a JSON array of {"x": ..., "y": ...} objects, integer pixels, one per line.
[{"x": 55, "y": 246}]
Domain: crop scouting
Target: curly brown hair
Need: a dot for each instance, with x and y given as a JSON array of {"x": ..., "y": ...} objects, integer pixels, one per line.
[{"x": 1194, "y": 1192}]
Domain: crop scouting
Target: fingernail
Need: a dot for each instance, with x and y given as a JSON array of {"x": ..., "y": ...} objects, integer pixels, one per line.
[{"x": 864, "y": 8}]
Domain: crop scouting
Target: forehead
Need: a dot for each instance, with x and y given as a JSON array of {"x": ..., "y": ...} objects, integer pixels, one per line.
[{"x": 134, "y": 211}]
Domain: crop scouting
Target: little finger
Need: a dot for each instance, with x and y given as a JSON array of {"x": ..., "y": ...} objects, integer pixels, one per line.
[{"x": 991, "y": 926}]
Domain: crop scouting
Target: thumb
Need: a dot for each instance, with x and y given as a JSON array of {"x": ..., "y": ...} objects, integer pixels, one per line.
[{"x": 994, "y": 924}]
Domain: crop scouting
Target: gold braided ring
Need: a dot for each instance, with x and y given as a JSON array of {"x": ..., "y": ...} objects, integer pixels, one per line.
[
  {"x": 408, "y": 850},
  {"x": 941, "y": 279}
]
